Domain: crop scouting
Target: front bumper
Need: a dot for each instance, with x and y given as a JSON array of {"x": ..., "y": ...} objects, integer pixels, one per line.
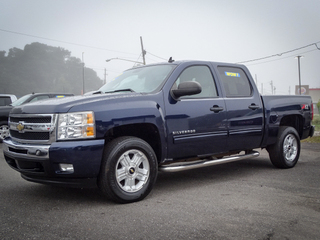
[{"x": 41, "y": 163}]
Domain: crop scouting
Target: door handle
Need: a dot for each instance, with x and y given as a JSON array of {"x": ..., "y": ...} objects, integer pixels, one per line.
[
  {"x": 216, "y": 109},
  {"x": 253, "y": 106}
]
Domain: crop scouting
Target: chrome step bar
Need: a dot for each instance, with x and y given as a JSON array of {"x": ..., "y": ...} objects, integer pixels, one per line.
[{"x": 180, "y": 166}]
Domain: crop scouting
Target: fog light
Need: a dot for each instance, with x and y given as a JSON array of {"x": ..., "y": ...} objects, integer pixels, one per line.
[{"x": 65, "y": 167}]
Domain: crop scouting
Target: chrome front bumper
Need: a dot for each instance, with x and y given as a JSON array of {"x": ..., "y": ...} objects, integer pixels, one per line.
[
  {"x": 42, "y": 163},
  {"x": 25, "y": 150}
]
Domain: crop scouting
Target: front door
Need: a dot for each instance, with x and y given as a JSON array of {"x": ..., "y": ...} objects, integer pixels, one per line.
[{"x": 196, "y": 125}]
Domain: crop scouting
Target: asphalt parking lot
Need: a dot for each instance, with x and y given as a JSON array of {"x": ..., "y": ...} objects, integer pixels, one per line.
[{"x": 249, "y": 199}]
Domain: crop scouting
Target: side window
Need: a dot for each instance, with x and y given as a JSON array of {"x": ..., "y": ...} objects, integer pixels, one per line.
[
  {"x": 202, "y": 75},
  {"x": 5, "y": 101},
  {"x": 235, "y": 82},
  {"x": 39, "y": 98}
]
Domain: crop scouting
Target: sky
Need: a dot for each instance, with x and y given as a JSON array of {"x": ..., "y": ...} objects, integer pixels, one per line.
[{"x": 235, "y": 31}]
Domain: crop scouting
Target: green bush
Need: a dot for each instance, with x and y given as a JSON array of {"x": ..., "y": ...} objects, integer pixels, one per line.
[{"x": 316, "y": 121}]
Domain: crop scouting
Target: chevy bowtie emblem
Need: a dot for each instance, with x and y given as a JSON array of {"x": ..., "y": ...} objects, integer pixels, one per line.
[{"x": 20, "y": 127}]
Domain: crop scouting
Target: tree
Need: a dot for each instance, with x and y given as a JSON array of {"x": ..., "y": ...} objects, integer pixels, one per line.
[{"x": 42, "y": 68}]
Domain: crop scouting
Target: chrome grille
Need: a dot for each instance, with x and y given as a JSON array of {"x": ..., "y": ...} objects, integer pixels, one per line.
[{"x": 32, "y": 128}]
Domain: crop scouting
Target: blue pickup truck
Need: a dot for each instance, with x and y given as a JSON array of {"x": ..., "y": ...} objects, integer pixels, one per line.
[{"x": 168, "y": 117}]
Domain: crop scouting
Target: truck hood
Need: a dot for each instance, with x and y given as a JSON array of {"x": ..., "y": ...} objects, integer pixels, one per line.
[{"x": 63, "y": 105}]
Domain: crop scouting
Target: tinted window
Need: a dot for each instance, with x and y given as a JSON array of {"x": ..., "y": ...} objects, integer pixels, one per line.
[
  {"x": 202, "y": 75},
  {"x": 235, "y": 82}
]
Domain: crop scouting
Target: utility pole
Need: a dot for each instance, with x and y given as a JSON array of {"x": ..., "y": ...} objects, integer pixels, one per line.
[
  {"x": 256, "y": 79},
  {"x": 82, "y": 74},
  {"x": 289, "y": 90},
  {"x": 299, "y": 74},
  {"x": 143, "y": 52},
  {"x": 261, "y": 88},
  {"x": 271, "y": 83}
]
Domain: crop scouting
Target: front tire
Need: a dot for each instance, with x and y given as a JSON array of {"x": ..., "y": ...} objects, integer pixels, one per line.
[
  {"x": 129, "y": 170},
  {"x": 286, "y": 151},
  {"x": 4, "y": 131}
]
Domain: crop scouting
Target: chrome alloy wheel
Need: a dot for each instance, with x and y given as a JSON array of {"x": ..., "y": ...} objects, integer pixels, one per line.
[
  {"x": 132, "y": 170},
  {"x": 290, "y": 147},
  {"x": 4, "y": 131}
]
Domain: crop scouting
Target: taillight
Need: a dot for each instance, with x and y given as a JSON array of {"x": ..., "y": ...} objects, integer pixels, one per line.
[{"x": 306, "y": 107}]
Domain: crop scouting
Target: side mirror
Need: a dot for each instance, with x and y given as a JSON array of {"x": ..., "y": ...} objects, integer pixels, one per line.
[{"x": 187, "y": 88}]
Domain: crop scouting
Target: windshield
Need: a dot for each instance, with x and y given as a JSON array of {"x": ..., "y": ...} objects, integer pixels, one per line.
[
  {"x": 20, "y": 100},
  {"x": 143, "y": 79}
]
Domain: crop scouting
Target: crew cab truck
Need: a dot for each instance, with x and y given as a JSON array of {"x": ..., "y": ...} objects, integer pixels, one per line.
[{"x": 170, "y": 117}]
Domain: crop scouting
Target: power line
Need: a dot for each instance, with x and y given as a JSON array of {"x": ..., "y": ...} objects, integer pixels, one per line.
[
  {"x": 157, "y": 56},
  {"x": 280, "y": 58},
  {"x": 105, "y": 49},
  {"x": 280, "y": 54},
  {"x": 71, "y": 43}
]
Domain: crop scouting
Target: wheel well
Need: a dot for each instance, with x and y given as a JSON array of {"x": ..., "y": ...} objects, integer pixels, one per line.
[
  {"x": 294, "y": 121},
  {"x": 146, "y": 131},
  {"x": 4, "y": 119}
]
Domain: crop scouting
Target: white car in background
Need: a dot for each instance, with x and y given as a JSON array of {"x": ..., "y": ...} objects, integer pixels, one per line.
[
  {"x": 5, "y": 110},
  {"x": 7, "y": 99}
]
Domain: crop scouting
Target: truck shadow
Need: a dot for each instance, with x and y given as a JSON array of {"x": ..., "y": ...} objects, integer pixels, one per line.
[
  {"x": 68, "y": 195},
  {"x": 166, "y": 183},
  {"x": 244, "y": 169}
]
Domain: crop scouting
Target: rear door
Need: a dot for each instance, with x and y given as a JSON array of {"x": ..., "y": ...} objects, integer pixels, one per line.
[{"x": 244, "y": 108}]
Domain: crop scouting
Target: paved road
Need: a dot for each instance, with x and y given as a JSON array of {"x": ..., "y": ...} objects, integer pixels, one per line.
[{"x": 245, "y": 200}]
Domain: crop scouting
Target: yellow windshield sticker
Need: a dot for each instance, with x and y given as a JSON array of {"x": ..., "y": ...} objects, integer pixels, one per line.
[{"x": 231, "y": 74}]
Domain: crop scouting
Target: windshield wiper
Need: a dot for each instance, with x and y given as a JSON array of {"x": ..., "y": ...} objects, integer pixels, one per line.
[{"x": 122, "y": 90}]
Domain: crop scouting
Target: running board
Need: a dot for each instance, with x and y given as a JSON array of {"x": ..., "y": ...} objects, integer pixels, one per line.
[{"x": 177, "y": 167}]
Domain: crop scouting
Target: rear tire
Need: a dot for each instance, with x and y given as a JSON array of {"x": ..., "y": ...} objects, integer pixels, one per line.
[
  {"x": 286, "y": 151},
  {"x": 129, "y": 170}
]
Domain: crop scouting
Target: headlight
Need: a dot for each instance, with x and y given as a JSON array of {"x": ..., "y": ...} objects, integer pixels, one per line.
[{"x": 76, "y": 126}]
